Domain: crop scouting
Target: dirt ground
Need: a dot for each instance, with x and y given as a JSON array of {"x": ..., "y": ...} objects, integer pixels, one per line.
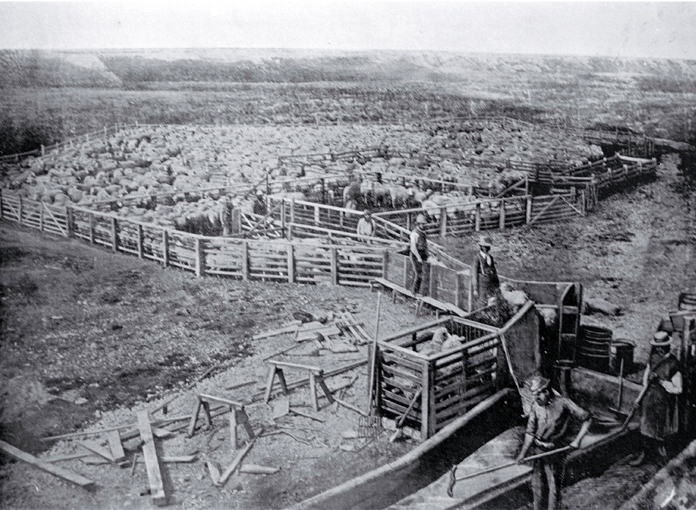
[{"x": 90, "y": 337}]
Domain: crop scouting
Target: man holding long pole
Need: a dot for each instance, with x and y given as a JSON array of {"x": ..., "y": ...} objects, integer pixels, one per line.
[{"x": 549, "y": 418}]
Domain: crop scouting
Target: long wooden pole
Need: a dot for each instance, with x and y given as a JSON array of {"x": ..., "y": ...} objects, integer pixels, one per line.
[{"x": 373, "y": 359}]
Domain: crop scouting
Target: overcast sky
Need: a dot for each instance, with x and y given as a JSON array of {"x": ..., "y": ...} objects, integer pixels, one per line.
[{"x": 617, "y": 29}]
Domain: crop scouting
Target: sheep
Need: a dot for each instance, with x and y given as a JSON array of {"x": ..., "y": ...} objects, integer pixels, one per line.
[{"x": 515, "y": 298}]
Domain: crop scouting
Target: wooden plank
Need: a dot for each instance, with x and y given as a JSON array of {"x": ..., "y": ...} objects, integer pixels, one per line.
[
  {"x": 255, "y": 469},
  {"x": 152, "y": 466},
  {"x": 66, "y": 475},
  {"x": 179, "y": 459},
  {"x": 116, "y": 447},
  {"x": 235, "y": 463},
  {"x": 95, "y": 447}
]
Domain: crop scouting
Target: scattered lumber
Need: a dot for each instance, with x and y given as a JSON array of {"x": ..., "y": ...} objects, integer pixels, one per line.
[
  {"x": 93, "y": 460},
  {"x": 66, "y": 475},
  {"x": 96, "y": 448},
  {"x": 290, "y": 328},
  {"x": 179, "y": 459},
  {"x": 116, "y": 446},
  {"x": 235, "y": 463},
  {"x": 214, "y": 472},
  {"x": 82, "y": 434},
  {"x": 258, "y": 470},
  {"x": 135, "y": 463},
  {"x": 350, "y": 406},
  {"x": 240, "y": 385},
  {"x": 152, "y": 466},
  {"x": 307, "y": 415},
  {"x": 71, "y": 456}
]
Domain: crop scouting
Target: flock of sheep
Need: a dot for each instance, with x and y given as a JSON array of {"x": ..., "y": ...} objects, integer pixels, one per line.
[{"x": 186, "y": 167}]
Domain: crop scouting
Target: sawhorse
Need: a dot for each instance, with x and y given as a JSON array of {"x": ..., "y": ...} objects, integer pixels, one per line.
[
  {"x": 316, "y": 376},
  {"x": 238, "y": 416}
]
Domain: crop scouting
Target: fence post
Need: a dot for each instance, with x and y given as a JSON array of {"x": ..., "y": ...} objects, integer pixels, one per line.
[
  {"x": 334, "y": 266},
  {"x": 20, "y": 209},
  {"x": 443, "y": 221},
  {"x": 501, "y": 223},
  {"x": 2, "y": 214},
  {"x": 245, "y": 260},
  {"x": 91, "y": 228},
  {"x": 43, "y": 150},
  {"x": 69, "y": 227},
  {"x": 289, "y": 232},
  {"x": 282, "y": 217},
  {"x": 316, "y": 215},
  {"x": 200, "y": 257},
  {"x": 583, "y": 205},
  {"x": 291, "y": 263},
  {"x": 528, "y": 214},
  {"x": 477, "y": 215},
  {"x": 165, "y": 248},
  {"x": 292, "y": 211},
  {"x": 140, "y": 241},
  {"x": 426, "y": 402},
  {"x": 41, "y": 216},
  {"x": 114, "y": 234}
]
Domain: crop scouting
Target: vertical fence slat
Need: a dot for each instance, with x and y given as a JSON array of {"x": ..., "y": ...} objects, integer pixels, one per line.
[
  {"x": 41, "y": 215},
  {"x": 200, "y": 261},
  {"x": 114, "y": 233},
  {"x": 443, "y": 222},
  {"x": 501, "y": 224},
  {"x": 140, "y": 241},
  {"x": 291, "y": 263},
  {"x": 528, "y": 212},
  {"x": 20, "y": 210},
  {"x": 91, "y": 228},
  {"x": 426, "y": 403},
  {"x": 245, "y": 260},
  {"x": 334, "y": 266},
  {"x": 478, "y": 216},
  {"x": 165, "y": 248},
  {"x": 69, "y": 230}
]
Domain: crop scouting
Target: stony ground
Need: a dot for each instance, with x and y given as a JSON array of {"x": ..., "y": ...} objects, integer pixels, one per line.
[{"x": 90, "y": 337}]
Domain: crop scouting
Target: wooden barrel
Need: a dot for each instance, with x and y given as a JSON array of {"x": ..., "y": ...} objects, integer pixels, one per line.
[
  {"x": 594, "y": 348},
  {"x": 687, "y": 301}
]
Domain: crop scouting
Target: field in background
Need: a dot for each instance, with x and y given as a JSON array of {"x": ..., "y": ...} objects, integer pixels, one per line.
[{"x": 49, "y": 96}]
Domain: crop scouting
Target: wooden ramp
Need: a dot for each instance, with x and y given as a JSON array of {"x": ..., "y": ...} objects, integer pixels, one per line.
[
  {"x": 471, "y": 493},
  {"x": 501, "y": 450}
]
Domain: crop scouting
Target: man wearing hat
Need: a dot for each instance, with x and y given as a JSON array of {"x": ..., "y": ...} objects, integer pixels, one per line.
[
  {"x": 663, "y": 379},
  {"x": 484, "y": 282},
  {"x": 366, "y": 226},
  {"x": 259, "y": 204},
  {"x": 550, "y": 416},
  {"x": 418, "y": 252}
]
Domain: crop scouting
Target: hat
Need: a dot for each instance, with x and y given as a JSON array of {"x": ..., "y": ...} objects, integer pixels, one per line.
[
  {"x": 539, "y": 384},
  {"x": 367, "y": 212},
  {"x": 259, "y": 192},
  {"x": 485, "y": 241},
  {"x": 661, "y": 339},
  {"x": 420, "y": 219}
]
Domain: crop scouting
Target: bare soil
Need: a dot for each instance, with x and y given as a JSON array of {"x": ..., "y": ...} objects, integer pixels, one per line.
[{"x": 90, "y": 337}]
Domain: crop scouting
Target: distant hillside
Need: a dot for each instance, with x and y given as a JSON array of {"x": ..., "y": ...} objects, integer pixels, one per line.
[{"x": 131, "y": 68}]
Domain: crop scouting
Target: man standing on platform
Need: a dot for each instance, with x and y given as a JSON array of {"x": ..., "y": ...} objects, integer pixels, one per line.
[
  {"x": 484, "y": 276},
  {"x": 549, "y": 419},
  {"x": 418, "y": 252},
  {"x": 663, "y": 380}
]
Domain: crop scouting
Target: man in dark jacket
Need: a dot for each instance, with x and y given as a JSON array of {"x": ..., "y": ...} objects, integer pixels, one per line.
[
  {"x": 484, "y": 276},
  {"x": 663, "y": 379},
  {"x": 418, "y": 252}
]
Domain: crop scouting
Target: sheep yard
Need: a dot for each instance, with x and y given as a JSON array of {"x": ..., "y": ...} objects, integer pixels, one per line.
[{"x": 91, "y": 338}]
